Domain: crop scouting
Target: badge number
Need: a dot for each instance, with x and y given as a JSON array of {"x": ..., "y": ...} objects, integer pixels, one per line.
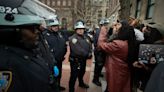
[{"x": 8, "y": 10}]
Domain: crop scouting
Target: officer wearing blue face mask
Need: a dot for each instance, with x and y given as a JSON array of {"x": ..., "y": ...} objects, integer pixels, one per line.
[{"x": 57, "y": 44}]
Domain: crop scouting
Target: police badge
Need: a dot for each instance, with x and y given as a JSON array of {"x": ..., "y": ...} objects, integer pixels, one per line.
[
  {"x": 60, "y": 35},
  {"x": 74, "y": 40},
  {"x": 5, "y": 80},
  {"x": 47, "y": 34}
]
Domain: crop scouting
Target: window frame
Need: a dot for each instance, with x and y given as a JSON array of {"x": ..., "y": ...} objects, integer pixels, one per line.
[
  {"x": 69, "y": 3},
  {"x": 58, "y": 3},
  {"x": 138, "y": 10},
  {"x": 149, "y": 5},
  {"x": 64, "y": 3}
]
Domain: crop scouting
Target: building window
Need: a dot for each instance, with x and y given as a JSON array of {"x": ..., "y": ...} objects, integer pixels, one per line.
[
  {"x": 150, "y": 9},
  {"x": 48, "y": 2},
  {"x": 69, "y": 3},
  {"x": 53, "y": 3},
  {"x": 58, "y": 3},
  {"x": 138, "y": 9},
  {"x": 64, "y": 23},
  {"x": 100, "y": 13},
  {"x": 100, "y": 1},
  {"x": 64, "y": 3}
]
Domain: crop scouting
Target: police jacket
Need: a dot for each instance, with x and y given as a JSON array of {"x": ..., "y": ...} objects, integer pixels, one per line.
[
  {"x": 80, "y": 46},
  {"x": 57, "y": 44},
  {"x": 22, "y": 71},
  {"x": 99, "y": 54},
  {"x": 44, "y": 51},
  {"x": 95, "y": 37}
]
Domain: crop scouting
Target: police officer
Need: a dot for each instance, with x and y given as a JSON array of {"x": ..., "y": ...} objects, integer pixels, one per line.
[
  {"x": 44, "y": 51},
  {"x": 80, "y": 50},
  {"x": 89, "y": 33},
  {"x": 99, "y": 55},
  {"x": 21, "y": 70},
  {"x": 57, "y": 44}
]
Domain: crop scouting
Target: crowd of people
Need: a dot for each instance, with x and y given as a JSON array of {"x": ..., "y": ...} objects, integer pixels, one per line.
[
  {"x": 120, "y": 46},
  {"x": 31, "y": 55},
  {"x": 32, "y": 50}
]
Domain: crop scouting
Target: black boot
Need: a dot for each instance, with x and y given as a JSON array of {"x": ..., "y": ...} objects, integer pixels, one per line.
[
  {"x": 101, "y": 75},
  {"x": 83, "y": 85},
  {"x": 62, "y": 88},
  {"x": 71, "y": 90},
  {"x": 96, "y": 82}
]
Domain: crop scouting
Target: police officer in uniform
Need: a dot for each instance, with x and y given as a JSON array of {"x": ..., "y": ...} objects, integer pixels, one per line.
[
  {"x": 44, "y": 51},
  {"x": 99, "y": 55},
  {"x": 21, "y": 70},
  {"x": 57, "y": 44},
  {"x": 80, "y": 51}
]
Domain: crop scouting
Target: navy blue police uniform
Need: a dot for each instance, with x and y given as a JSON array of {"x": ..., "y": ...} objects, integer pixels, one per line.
[
  {"x": 57, "y": 45},
  {"x": 44, "y": 51},
  {"x": 99, "y": 59},
  {"x": 23, "y": 71},
  {"x": 80, "y": 50}
]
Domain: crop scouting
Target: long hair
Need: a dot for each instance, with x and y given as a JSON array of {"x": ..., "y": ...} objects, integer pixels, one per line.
[
  {"x": 126, "y": 32},
  {"x": 152, "y": 36}
]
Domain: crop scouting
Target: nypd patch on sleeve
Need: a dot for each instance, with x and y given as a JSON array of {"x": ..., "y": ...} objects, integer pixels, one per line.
[{"x": 5, "y": 80}]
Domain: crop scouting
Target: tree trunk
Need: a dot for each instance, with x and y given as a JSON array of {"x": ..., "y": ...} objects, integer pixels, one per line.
[{"x": 124, "y": 12}]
